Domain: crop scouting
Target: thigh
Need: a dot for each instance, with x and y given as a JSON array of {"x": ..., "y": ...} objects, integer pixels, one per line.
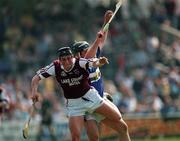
[
  {"x": 110, "y": 102},
  {"x": 109, "y": 110},
  {"x": 113, "y": 124},
  {"x": 76, "y": 124}
]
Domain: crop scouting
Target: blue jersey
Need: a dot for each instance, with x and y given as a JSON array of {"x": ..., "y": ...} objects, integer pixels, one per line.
[{"x": 96, "y": 78}]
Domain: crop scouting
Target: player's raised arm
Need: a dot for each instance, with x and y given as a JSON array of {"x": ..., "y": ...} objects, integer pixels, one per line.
[
  {"x": 107, "y": 17},
  {"x": 100, "y": 38}
]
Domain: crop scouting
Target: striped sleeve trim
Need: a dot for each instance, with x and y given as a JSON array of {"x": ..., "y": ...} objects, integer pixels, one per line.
[{"x": 46, "y": 71}]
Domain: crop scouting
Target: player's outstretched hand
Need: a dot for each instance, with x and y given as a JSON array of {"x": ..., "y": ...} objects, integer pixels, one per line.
[
  {"x": 103, "y": 60},
  {"x": 35, "y": 98}
]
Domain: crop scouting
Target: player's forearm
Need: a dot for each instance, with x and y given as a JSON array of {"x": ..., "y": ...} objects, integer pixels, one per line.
[
  {"x": 103, "y": 39},
  {"x": 34, "y": 84},
  {"x": 98, "y": 43},
  {"x": 92, "y": 50}
]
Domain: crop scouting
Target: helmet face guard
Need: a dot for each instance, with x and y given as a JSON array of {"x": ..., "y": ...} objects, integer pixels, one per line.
[
  {"x": 80, "y": 46},
  {"x": 64, "y": 51}
]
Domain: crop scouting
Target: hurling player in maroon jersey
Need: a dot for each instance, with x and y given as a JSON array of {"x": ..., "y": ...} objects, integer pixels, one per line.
[{"x": 73, "y": 77}]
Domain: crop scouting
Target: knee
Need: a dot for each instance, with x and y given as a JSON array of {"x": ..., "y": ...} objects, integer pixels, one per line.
[
  {"x": 93, "y": 138},
  {"x": 123, "y": 126},
  {"x": 75, "y": 136}
]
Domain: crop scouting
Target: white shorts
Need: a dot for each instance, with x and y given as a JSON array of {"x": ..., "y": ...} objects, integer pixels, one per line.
[
  {"x": 85, "y": 104},
  {"x": 95, "y": 116}
]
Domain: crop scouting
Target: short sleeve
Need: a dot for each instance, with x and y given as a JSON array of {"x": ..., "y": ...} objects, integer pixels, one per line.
[{"x": 46, "y": 71}]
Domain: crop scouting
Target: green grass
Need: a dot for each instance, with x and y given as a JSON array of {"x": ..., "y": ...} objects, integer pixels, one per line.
[
  {"x": 160, "y": 139},
  {"x": 149, "y": 139}
]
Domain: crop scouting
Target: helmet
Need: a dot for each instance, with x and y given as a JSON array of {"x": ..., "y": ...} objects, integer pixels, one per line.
[
  {"x": 80, "y": 46},
  {"x": 64, "y": 51}
]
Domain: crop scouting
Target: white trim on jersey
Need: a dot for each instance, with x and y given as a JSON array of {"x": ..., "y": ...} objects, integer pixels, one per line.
[
  {"x": 50, "y": 70},
  {"x": 94, "y": 74},
  {"x": 83, "y": 62}
]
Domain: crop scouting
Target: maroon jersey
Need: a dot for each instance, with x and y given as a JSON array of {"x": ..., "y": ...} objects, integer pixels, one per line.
[{"x": 75, "y": 83}]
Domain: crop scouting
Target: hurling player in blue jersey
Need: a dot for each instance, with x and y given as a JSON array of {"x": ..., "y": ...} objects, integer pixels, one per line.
[
  {"x": 82, "y": 49},
  {"x": 73, "y": 77}
]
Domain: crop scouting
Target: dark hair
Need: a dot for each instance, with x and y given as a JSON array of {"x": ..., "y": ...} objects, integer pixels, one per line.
[
  {"x": 80, "y": 46},
  {"x": 64, "y": 51}
]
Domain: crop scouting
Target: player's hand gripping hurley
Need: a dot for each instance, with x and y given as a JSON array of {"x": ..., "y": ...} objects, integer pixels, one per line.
[
  {"x": 118, "y": 5},
  {"x": 26, "y": 126}
]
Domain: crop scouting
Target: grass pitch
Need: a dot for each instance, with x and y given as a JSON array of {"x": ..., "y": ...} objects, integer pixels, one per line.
[
  {"x": 149, "y": 139},
  {"x": 159, "y": 139}
]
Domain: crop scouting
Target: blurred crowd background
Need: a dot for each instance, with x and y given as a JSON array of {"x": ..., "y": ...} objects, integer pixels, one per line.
[{"x": 143, "y": 75}]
